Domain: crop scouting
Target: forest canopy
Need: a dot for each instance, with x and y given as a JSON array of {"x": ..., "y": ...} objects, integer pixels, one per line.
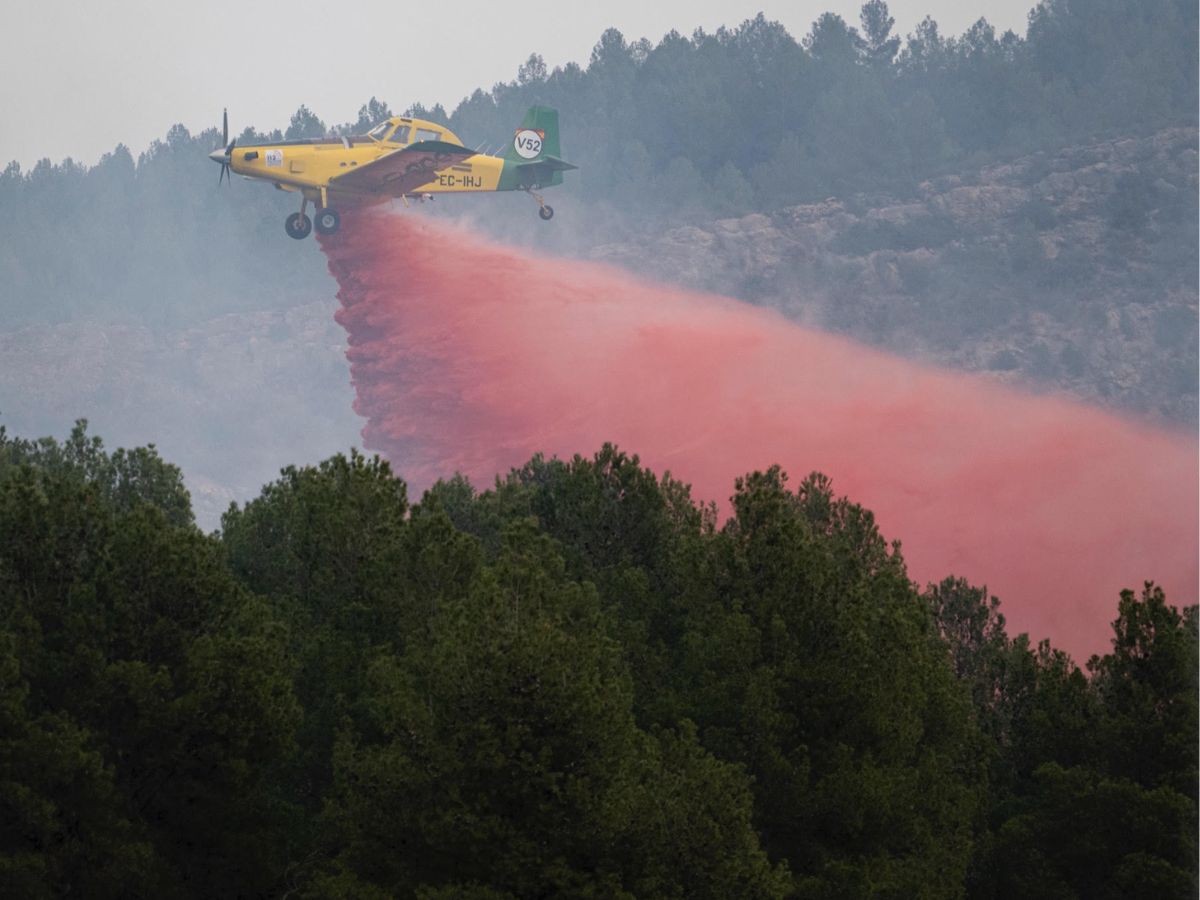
[{"x": 575, "y": 683}]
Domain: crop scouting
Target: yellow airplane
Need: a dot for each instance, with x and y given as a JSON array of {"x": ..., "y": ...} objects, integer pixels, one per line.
[{"x": 400, "y": 157}]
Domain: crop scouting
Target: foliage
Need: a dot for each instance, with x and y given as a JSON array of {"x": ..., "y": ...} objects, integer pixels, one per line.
[
  {"x": 146, "y": 693},
  {"x": 577, "y": 683},
  {"x": 1093, "y": 782},
  {"x": 125, "y": 479}
]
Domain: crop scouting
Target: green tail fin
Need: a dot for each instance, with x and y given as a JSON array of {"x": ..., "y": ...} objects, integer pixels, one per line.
[{"x": 537, "y": 137}]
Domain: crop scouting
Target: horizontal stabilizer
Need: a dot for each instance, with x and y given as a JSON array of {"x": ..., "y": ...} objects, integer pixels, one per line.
[{"x": 548, "y": 164}]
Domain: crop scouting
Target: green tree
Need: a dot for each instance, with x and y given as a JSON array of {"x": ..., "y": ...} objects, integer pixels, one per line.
[
  {"x": 1079, "y": 834},
  {"x": 732, "y": 193},
  {"x": 165, "y": 683},
  {"x": 1147, "y": 689},
  {"x": 503, "y": 752},
  {"x": 827, "y": 686},
  {"x": 304, "y": 124},
  {"x": 880, "y": 46},
  {"x": 124, "y": 479},
  {"x": 61, "y": 822},
  {"x": 327, "y": 545},
  {"x": 532, "y": 71},
  {"x": 633, "y": 535},
  {"x": 370, "y": 114},
  {"x": 1094, "y": 785}
]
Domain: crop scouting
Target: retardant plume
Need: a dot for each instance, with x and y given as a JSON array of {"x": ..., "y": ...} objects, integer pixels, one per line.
[{"x": 469, "y": 356}]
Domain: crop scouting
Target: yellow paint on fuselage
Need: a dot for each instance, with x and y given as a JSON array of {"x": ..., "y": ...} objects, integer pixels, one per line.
[
  {"x": 475, "y": 173},
  {"x": 309, "y": 167}
]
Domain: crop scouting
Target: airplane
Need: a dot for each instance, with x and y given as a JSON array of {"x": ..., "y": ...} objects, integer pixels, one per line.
[{"x": 400, "y": 157}]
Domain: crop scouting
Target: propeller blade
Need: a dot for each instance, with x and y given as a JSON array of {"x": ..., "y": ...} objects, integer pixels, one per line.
[{"x": 224, "y": 157}]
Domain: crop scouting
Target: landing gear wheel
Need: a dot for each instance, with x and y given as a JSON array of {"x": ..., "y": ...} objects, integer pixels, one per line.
[
  {"x": 328, "y": 221},
  {"x": 546, "y": 212},
  {"x": 298, "y": 226}
]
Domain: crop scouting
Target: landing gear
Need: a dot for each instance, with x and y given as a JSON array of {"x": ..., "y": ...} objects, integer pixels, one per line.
[
  {"x": 328, "y": 221},
  {"x": 545, "y": 211},
  {"x": 298, "y": 226}
]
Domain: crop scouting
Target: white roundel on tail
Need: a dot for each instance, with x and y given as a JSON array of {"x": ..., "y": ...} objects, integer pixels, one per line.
[{"x": 528, "y": 143}]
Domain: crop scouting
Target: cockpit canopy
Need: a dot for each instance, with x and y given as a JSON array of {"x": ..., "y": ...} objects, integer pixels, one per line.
[{"x": 401, "y": 131}]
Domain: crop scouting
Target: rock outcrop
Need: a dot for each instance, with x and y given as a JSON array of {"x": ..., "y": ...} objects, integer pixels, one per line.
[{"x": 1072, "y": 271}]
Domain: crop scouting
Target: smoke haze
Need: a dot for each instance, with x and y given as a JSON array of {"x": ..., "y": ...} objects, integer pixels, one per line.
[{"x": 469, "y": 356}]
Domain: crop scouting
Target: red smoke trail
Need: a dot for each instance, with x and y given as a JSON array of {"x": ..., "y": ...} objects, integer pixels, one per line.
[{"x": 469, "y": 356}]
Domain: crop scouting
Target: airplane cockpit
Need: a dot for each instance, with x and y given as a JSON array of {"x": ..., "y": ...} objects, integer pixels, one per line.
[
  {"x": 404, "y": 132},
  {"x": 379, "y": 131}
]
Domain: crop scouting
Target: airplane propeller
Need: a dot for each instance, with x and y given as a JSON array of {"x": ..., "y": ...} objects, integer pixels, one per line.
[{"x": 226, "y": 155}]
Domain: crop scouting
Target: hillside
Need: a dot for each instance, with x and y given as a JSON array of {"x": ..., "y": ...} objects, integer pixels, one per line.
[{"x": 1071, "y": 271}]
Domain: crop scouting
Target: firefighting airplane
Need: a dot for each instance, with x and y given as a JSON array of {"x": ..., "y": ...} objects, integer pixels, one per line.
[{"x": 400, "y": 157}]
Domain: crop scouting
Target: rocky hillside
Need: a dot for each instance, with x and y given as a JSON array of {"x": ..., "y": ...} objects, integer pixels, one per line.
[{"x": 1073, "y": 270}]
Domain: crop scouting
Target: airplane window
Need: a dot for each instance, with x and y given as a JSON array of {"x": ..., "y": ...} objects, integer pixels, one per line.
[
  {"x": 424, "y": 134},
  {"x": 401, "y": 135},
  {"x": 379, "y": 130}
]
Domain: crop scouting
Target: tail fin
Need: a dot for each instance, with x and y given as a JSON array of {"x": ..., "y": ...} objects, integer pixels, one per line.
[{"x": 537, "y": 137}]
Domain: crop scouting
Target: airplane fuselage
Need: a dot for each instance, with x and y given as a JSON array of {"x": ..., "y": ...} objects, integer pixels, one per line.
[
  {"x": 400, "y": 157},
  {"x": 313, "y": 165}
]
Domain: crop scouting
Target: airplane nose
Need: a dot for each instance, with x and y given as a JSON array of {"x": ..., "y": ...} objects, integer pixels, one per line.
[{"x": 218, "y": 156}]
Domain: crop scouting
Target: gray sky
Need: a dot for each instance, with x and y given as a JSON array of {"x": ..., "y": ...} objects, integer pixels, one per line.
[{"x": 77, "y": 78}]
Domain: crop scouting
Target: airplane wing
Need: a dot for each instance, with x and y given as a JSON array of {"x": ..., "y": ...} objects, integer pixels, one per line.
[{"x": 401, "y": 171}]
